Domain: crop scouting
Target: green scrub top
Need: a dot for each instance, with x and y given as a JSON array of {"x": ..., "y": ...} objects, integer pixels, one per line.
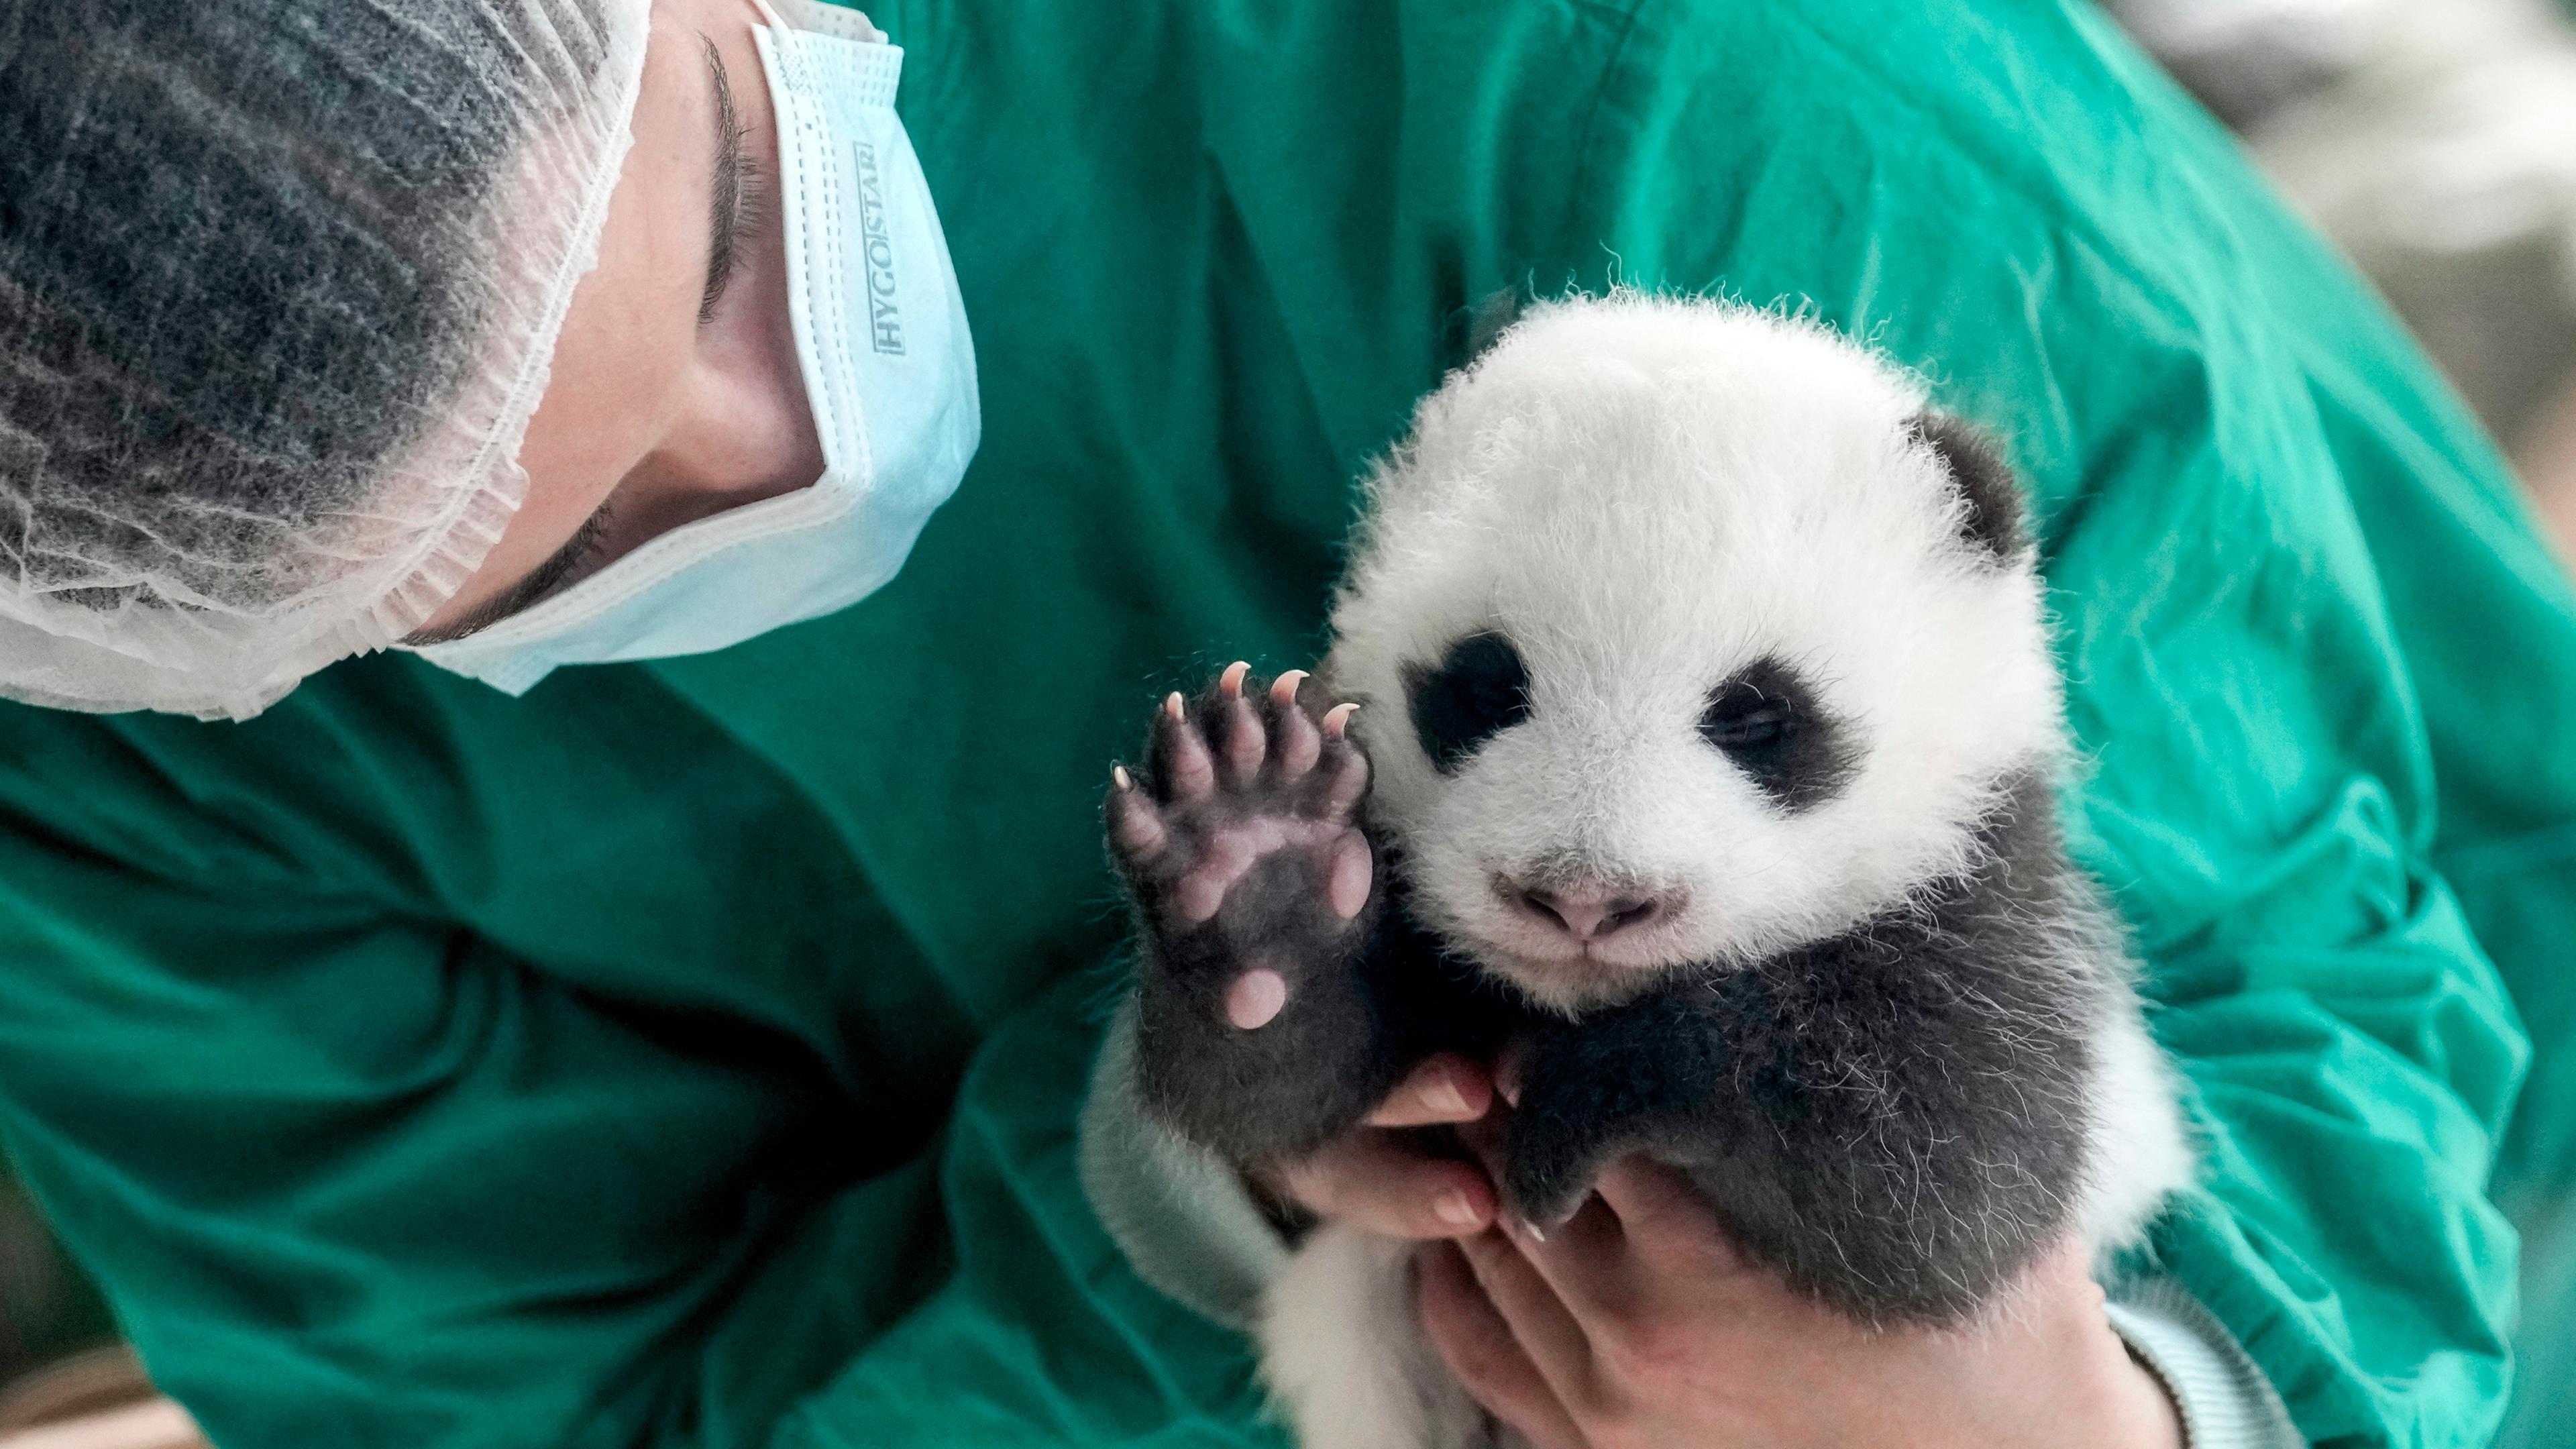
[{"x": 689, "y": 1054}]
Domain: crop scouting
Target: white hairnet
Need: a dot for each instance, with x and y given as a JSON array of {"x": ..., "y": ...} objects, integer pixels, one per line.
[{"x": 279, "y": 280}]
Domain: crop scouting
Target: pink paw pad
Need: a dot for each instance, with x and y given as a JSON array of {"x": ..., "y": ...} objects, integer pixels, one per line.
[{"x": 1255, "y": 999}]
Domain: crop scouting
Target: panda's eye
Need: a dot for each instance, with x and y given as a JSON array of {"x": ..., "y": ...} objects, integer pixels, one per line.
[
  {"x": 1740, "y": 717},
  {"x": 1771, "y": 726},
  {"x": 1480, "y": 689}
]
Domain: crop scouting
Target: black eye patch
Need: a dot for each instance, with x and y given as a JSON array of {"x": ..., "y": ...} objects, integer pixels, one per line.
[
  {"x": 1769, "y": 723},
  {"x": 1480, "y": 689}
]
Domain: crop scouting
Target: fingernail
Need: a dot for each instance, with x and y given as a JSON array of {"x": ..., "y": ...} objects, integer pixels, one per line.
[
  {"x": 1442, "y": 1095},
  {"x": 1454, "y": 1209}
]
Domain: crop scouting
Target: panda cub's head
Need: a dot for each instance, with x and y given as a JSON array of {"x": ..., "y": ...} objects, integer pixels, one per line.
[{"x": 1684, "y": 634}]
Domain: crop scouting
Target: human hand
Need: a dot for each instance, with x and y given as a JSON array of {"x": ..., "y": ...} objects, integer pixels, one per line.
[
  {"x": 1377, "y": 1178},
  {"x": 1637, "y": 1325}
]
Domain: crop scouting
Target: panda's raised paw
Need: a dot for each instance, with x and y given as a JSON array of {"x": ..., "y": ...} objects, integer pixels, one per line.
[{"x": 1249, "y": 777}]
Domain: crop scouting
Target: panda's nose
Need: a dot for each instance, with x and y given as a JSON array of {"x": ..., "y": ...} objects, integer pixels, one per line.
[{"x": 1587, "y": 913}]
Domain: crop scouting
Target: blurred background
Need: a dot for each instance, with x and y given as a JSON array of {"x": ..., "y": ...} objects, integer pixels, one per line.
[
  {"x": 2435, "y": 143},
  {"x": 65, "y": 1381}
]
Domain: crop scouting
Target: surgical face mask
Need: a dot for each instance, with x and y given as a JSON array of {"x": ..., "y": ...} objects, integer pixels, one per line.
[{"x": 889, "y": 372}]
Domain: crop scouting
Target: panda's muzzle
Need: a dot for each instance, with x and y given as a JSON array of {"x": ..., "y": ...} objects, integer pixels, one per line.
[{"x": 1585, "y": 913}]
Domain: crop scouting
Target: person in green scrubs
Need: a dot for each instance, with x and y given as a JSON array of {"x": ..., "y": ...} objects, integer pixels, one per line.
[{"x": 685, "y": 1041}]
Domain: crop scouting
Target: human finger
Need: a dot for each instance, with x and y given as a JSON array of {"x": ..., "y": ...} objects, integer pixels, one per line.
[
  {"x": 1585, "y": 1259},
  {"x": 1373, "y": 1180},
  {"x": 1662, "y": 1217},
  {"x": 1487, "y": 1140},
  {"x": 1477, "y": 1345},
  {"x": 1447, "y": 1087},
  {"x": 1539, "y": 1320}
]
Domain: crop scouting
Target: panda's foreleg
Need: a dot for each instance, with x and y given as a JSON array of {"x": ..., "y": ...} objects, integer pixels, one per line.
[
  {"x": 1343, "y": 1351},
  {"x": 2137, "y": 1151},
  {"x": 1259, "y": 901},
  {"x": 1635, "y": 1079}
]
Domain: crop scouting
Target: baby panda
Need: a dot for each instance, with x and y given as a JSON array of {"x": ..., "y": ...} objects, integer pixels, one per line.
[{"x": 1689, "y": 726}]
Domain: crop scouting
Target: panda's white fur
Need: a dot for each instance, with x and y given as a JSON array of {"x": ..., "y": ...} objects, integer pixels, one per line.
[{"x": 1645, "y": 494}]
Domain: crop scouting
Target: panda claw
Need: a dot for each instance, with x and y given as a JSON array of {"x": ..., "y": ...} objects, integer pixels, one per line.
[
  {"x": 1345, "y": 781},
  {"x": 1183, "y": 766},
  {"x": 1238, "y": 775},
  {"x": 1300, "y": 743},
  {"x": 1133, "y": 822},
  {"x": 1245, "y": 742}
]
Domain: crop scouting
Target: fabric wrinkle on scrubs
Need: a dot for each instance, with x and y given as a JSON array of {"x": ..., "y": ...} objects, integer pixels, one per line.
[{"x": 688, "y": 1053}]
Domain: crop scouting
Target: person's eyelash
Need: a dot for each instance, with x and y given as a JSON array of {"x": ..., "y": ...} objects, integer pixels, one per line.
[
  {"x": 591, "y": 543},
  {"x": 575, "y": 557}
]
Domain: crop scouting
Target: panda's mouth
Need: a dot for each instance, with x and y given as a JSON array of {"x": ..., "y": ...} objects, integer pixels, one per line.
[
  {"x": 1621, "y": 957},
  {"x": 1576, "y": 982},
  {"x": 1579, "y": 941}
]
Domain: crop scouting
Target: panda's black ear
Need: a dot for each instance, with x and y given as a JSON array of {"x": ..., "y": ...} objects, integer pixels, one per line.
[{"x": 1993, "y": 519}]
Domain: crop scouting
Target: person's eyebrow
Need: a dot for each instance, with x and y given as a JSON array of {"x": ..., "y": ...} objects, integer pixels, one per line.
[
  {"x": 541, "y": 581},
  {"x": 729, "y": 193}
]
